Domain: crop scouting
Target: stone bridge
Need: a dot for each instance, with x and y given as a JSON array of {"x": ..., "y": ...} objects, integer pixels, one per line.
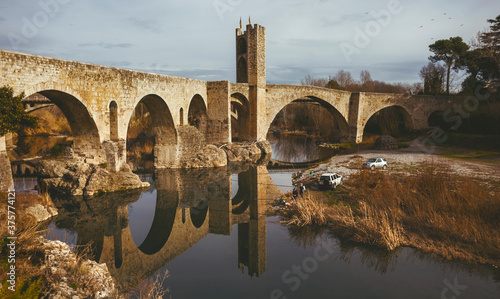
[{"x": 99, "y": 102}]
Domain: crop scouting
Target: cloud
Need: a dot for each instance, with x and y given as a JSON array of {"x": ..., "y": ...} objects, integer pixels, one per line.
[
  {"x": 108, "y": 45},
  {"x": 145, "y": 24}
]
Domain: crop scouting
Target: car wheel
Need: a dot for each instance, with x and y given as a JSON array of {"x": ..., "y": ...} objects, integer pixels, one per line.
[
  {"x": 334, "y": 186},
  {"x": 385, "y": 167},
  {"x": 372, "y": 168}
]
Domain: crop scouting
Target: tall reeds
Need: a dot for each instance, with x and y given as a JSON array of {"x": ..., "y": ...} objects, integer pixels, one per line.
[{"x": 431, "y": 209}]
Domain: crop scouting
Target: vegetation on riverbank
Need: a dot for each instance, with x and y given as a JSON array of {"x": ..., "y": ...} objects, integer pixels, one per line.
[{"x": 431, "y": 209}]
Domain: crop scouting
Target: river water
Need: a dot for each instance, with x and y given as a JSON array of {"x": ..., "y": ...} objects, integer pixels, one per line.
[{"x": 211, "y": 231}]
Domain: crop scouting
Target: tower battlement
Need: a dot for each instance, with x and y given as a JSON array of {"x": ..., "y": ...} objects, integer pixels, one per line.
[{"x": 251, "y": 55}]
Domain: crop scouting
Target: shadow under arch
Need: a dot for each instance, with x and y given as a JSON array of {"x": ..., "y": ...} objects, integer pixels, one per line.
[
  {"x": 239, "y": 117},
  {"x": 165, "y": 140},
  {"x": 384, "y": 121},
  {"x": 163, "y": 222},
  {"x": 197, "y": 114},
  {"x": 83, "y": 127},
  {"x": 436, "y": 119},
  {"x": 342, "y": 124}
]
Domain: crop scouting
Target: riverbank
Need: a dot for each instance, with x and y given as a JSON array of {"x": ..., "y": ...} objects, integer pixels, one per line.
[
  {"x": 443, "y": 206},
  {"x": 45, "y": 268}
]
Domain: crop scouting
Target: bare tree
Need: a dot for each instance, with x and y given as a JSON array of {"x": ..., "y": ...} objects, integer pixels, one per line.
[
  {"x": 344, "y": 78},
  {"x": 311, "y": 81},
  {"x": 365, "y": 77}
]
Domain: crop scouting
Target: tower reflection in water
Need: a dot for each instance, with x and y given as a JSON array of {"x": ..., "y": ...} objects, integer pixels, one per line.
[{"x": 189, "y": 205}]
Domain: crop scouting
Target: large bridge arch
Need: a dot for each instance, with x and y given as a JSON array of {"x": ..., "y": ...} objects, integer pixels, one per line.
[
  {"x": 165, "y": 148},
  {"x": 401, "y": 112},
  {"x": 85, "y": 131},
  {"x": 336, "y": 102},
  {"x": 343, "y": 125}
]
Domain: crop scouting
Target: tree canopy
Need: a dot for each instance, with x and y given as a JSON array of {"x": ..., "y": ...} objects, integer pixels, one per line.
[
  {"x": 450, "y": 51},
  {"x": 12, "y": 114}
]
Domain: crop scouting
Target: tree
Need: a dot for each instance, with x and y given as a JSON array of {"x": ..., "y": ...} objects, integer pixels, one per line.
[
  {"x": 343, "y": 78},
  {"x": 450, "y": 51},
  {"x": 489, "y": 45},
  {"x": 310, "y": 81},
  {"x": 12, "y": 114},
  {"x": 433, "y": 76},
  {"x": 332, "y": 84},
  {"x": 365, "y": 77}
]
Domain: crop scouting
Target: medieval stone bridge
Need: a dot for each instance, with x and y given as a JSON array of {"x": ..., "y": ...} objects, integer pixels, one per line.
[{"x": 99, "y": 102}]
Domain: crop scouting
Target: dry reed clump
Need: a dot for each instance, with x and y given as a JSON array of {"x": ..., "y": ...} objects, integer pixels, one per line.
[
  {"x": 431, "y": 209},
  {"x": 152, "y": 288},
  {"x": 305, "y": 211}
]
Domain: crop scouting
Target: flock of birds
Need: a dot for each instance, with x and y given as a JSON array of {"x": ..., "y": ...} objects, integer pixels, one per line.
[{"x": 432, "y": 20}]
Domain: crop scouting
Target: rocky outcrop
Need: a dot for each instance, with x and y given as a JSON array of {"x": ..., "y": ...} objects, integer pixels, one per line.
[
  {"x": 386, "y": 142},
  {"x": 79, "y": 178},
  {"x": 249, "y": 152},
  {"x": 70, "y": 277},
  {"x": 209, "y": 156}
]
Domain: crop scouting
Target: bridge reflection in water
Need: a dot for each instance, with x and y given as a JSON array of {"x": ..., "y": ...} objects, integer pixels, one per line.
[{"x": 189, "y": 206}]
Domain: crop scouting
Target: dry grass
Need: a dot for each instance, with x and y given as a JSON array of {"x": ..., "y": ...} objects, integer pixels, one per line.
[
  {"x": 151, "y": 288},
  {"x": 305, "y": 212},
  {"x": 454, "y": 217}
]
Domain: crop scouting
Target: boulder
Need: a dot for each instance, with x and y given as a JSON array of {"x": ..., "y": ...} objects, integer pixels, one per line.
[
  {"x": 386, "y": 142},
  {"x": 247, "y": 152},
  {"x": 78, "y": 178},
  {"x": 210, "y": 156}
]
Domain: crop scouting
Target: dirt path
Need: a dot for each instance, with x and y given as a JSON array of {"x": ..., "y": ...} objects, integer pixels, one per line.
[{"x": 406, "y": 161}]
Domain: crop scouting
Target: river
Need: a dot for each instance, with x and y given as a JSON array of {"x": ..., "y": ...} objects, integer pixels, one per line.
[{"x": 211, "y": 230}]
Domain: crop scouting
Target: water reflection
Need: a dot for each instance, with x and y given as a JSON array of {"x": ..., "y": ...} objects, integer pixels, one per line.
[
  {"x": 209, "y": 225},
  {"x": 185, "y": 206},
  {"x": 297, "y": 149}
]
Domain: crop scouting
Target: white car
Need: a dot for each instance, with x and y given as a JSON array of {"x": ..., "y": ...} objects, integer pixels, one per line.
[
  {"x": 375, "y": 163},
  {"x": 329, "y": 180}
]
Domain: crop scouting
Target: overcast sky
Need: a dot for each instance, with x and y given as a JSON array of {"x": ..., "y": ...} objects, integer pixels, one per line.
[{"x": 196, "y": 38}]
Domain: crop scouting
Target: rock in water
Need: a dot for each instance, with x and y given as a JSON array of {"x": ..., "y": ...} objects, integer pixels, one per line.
[
  {"x": 386, "y": 142},
  {"x": 79, "y": 178},
  {"x": 248, "y": 152}
]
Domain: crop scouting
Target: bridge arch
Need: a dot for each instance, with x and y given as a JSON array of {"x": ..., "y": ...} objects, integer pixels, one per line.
[
  {"x": 404, "y": 119},
  {"x": 165, "y": 134},
  {"x": 240, "y": 112},
  {"x": 85, "y": 132},
  {"x": 341, "y": 121},
  {"x": 197, "y": 113}
]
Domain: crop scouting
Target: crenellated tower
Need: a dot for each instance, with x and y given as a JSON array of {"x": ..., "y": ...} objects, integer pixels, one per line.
[{"x": 251, "y": 69}]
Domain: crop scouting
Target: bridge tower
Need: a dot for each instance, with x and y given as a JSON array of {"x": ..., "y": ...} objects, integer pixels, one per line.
[{"x": 251, "y": 69}]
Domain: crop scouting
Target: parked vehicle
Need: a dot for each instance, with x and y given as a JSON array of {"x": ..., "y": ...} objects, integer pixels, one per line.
[
  {"x": 329, "y": 180},
  {"x": 375, "y": 163}
]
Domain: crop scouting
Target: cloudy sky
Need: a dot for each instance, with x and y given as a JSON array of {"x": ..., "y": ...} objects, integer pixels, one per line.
[{"x": 196, "y": 38}]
